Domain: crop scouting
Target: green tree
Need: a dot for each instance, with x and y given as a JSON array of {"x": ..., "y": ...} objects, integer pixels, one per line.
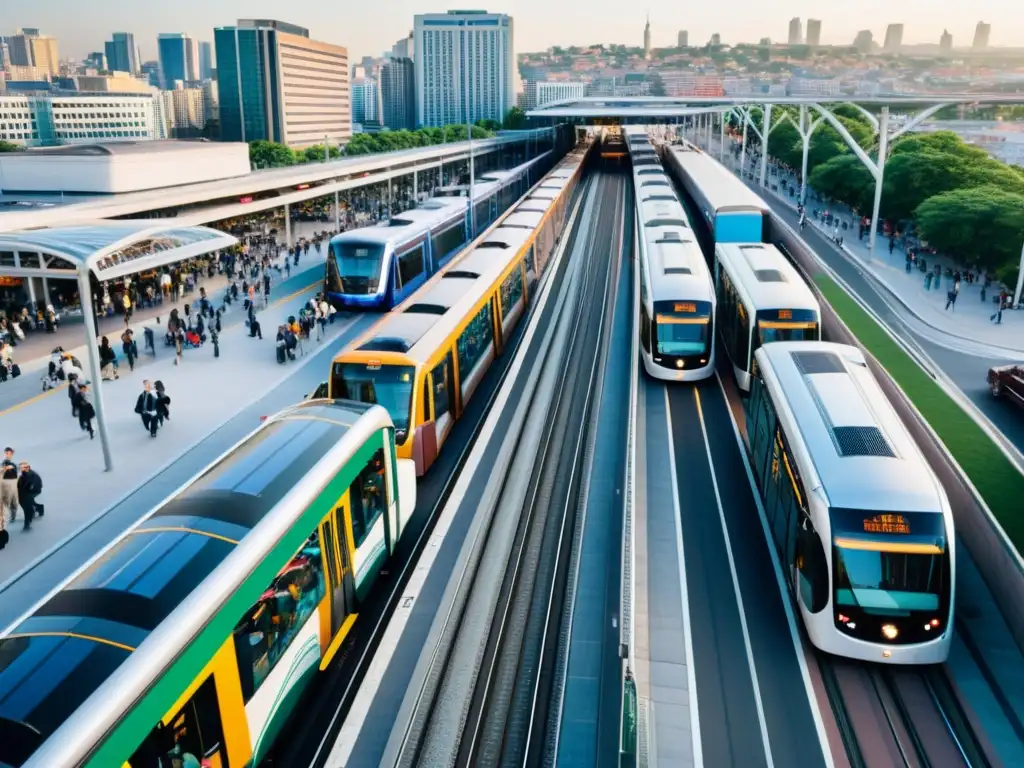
[
  {"x": 940, "y": 141},
  {"x": 270, "y": 154},
  {"x": 913, "y": 177},
  {"x": 515, "y": 120},
  {"x": 982, "y": 226},
  {"x": 315, "y": 154},
  {"x": 6, "y": 146},
  {"x": 785, "y": 144},
  {"x": 844, "y": 178}
]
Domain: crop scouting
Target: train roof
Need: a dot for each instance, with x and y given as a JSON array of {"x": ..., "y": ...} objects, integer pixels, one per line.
[
  {"x": 862, "y": 453},
  {"x": 764, "y": 277},
  {"x": 663, "y": 213},
  {"x": 676, "y": 265},
  {"x": 723, "y": 191},
  {"x": 419, "y": 325},
  {"x": 107, "y": 615}
]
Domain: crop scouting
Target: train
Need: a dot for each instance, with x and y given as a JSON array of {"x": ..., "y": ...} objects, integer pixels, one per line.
[
  {"x": 194, "y": 632},
  {"x": 677, "y": 295},
  {"x": 378, "y": 267},
  {"x": 424, "y": 360}
]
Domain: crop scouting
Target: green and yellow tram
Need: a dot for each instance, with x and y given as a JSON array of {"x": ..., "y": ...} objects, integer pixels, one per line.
[{"x": 188, "y": 640}]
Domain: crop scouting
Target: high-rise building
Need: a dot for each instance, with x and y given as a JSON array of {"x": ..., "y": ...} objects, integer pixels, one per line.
[
  {"x": 122, "y": 53},
  {"x": 179, "y": 58},
  {"x": 946, "y": 41},
  {"x": 814, "y": 32},
  {"x": 893, "y": 38},
  {"x": 205, "y": 60},
  {"x": 398, "y": 93},
  {"x": 716, "y": 39},
  {"x": 864, "y": 41},
  {"x": 96, "y": 60},
  {"x": 404, "y": 48},
  {"x": 276, "y": 83},
  {"x": 151, "y": 71},
  {"x": 211, "y": 100},
  {"x": 682, "y": 39},
  {"x": 647, "y": 38},
  {"x": 366, "y": 106},
  {"x": 465, "y": 67},
  {"x": 981, "y": 35},
  {"x": 796, "y": 32},
  {"x": 19, "y": 47},
  {"x": 5, "y": 54},
  {"x": 44, "y": 54}
]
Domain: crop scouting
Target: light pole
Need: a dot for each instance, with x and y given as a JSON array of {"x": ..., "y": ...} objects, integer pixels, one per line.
[
  {"x": 92, "y": 350},
  {"x": 766, "y": 129},
  {"x": 1020, "y": 280},
  {"x": 469, "y": 128}
]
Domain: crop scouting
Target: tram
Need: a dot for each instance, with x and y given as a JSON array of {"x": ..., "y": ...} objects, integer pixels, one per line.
[
  {"x": 761, "y": 299},
  {"x": 194, "y": 632},
  {"x": 861, "y": 525},
  {"x": 378, "y": 267},
  {"x": 424, "y": 361}
]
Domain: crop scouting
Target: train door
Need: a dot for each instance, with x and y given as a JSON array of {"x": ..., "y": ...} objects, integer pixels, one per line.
[
  {"x": 337, "y": 564},
  {"x": 194, "y": 731}
]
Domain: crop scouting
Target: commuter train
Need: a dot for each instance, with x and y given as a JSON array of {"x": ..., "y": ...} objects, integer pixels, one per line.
[
  {"x": 424, "y": 361},
  {"x": 732, "y": 212},
  {"x": 862, "y": 527},
  {"x": 194, "y": 632},
  {"x": 677, "y": 296},
  {"x": 378, "y": 267},
  {"x": 761, "y": 299}
]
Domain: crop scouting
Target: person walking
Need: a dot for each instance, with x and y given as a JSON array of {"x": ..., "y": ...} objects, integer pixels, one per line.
[
  {"x": 129, "y": 348},
  {"x": 86, "y": 411},
  {"x": 162, "y": 402},
  {"x": 30, "y": 485},
  {"x": 9, "y": 484},
  {"x": 146, "y": 407},
  {"x": 108, "y": 360}
]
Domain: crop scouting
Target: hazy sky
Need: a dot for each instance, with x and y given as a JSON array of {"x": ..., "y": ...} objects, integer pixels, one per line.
[{"x": 368, "y": 28}]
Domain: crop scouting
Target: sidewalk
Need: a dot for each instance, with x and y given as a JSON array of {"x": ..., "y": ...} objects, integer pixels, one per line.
[
  {"x": 205, "y": 392},
  {"x": 967, "y": 321}
]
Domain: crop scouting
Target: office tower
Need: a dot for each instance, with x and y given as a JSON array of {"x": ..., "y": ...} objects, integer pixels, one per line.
[
  {"x": 716, "y": 39},
  {"x": 465, "y": 67},
  {"x": 151, "y": 71},
  {"x": 813, "y": 32},
  {"x": 44, "y": 54},
  {"x": 981, "y": 35},
  {"x": 19, "y": 48},
  {"x": 893, "y": 38},
  {"x": 179, "y": 58},
  {"x": 205, "y": 60},
  {"x": 122, "y": 53},
  {"x": 211, "y": 100},
  {"x": 946, "y": 41},
  {"x": 398, "y": 93},
  {"x": 647, "y": 38},
  {"x": 682, "y": 39},
  {"x": 404, "y": 48},
  {"x": 796, "y": 32},
  {"x": 96, "y": 60},
  {"x": 276, "y": 83},
  {"x": 5, "y": 54},
  {"x": 864, "y": 41},
  {"x": 366, "y": 104}
]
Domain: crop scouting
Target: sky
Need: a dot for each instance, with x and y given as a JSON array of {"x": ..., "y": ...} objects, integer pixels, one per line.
[{"x": 370, "y": 28}]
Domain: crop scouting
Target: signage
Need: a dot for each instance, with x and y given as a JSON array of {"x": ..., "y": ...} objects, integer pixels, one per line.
[
  {"x": 887, "y": 524},
  {"x": 785, "y": 314},
  {"x": 302, "y": 187},
  {"x": 686, "y": 308},
  {"x": 373, "y": 365},
  {"x": 246, "y": 199},
  {"x": 9, "y": 282}
]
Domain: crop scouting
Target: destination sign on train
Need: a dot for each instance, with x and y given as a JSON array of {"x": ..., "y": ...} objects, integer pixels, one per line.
[
  {"x": 687, "y": 307},
  {"x": 785, "y": 314},
  {"x": 887, "y": 524}
]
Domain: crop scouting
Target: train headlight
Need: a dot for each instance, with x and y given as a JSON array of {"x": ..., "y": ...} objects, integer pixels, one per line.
[
  {"x": 679, "y": 363},
  {"x": 889, "y": 631}
]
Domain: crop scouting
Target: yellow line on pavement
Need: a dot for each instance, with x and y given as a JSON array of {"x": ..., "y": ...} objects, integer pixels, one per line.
[{"x": 62, "y": 387}]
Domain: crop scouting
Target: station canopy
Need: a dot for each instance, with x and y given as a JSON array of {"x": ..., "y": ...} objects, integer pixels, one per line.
[{"x": 110, "y": 249}]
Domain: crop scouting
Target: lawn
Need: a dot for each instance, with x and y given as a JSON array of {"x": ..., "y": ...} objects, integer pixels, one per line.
[{"x": 998, "y": 481}]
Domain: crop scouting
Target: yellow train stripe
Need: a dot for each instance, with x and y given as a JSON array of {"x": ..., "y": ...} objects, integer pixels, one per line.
[
  {"x": 182, "y": 529},
  {"x": 339, "y": 638},
  {"x": 77, "y": 636}
]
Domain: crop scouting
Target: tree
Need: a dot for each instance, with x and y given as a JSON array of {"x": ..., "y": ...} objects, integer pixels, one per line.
[
  {"x": 940, "y": 141},
  {"x": 315, "y": 154},
  {"x": 844, "y": 178},
  {"x": 6, "y": 146},
  {"x": 785, "y": 144},
  {"x": 489, "y": 125},
  {"x": 982, "y": 226},
  {"x": 515, "y": 120},
  {"x": 913, "y": 177},
  {"x": 270, "y": 154}
]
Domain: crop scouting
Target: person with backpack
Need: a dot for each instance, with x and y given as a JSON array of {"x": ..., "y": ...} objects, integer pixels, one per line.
[{"x": 30, "y": 485}]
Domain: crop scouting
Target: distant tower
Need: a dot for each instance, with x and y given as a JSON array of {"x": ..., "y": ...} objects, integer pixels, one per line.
[
  {"x": 946, "y": 41},
  {"x": 981, "y": 36},
  {"x": 647, "y": 38}
]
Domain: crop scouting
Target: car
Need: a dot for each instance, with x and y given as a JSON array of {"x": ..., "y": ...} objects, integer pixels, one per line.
[{"x": 1008, "y": 381}]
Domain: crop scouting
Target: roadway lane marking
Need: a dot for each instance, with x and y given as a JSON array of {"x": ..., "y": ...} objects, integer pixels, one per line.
[
  {"x": 736, "y": 587},
  {"x": 691, "y": 674},
  {"x": 798, "y": 645}
]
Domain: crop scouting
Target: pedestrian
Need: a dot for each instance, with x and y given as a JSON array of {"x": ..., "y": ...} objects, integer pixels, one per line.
[
  {"x": 129, "y": 348},
  {"x": 9, "y": 484},
  {"x": 108, "y": 360},
  {"x": 951, "y": 299},
  {"x": 146, "y": 407},
  {"x": 127, "y": 302},
  {"x": 30, "y": 485},
  {"x": 73, "y": 386},
  {"x": 162, "y": 402},
  {"x": 86, "y": 411}
]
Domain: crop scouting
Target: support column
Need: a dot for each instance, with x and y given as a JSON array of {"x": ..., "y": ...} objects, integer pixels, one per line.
[
  {"x": 1020, "y": 280},
  {"x": 337, "y": 211},
  {"x": 415, "y": 186},
  {"x": 390, "y": 196},
  {"x": 743, "y": 146},
  {"x": 92, "y": 350},
  {"x": 805, "y": 135},
  {"x": 287, "y": 225},
  {"x": 721, "y": 136},
  {"x": 883, "y": 150},
  {"x": 766, "y": 127}
]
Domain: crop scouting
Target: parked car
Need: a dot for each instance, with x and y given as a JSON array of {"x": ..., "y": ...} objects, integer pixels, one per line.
[{"x": 1008, "y": 381}]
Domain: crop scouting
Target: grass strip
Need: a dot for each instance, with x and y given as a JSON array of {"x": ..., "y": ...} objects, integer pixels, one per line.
[{"x": 997, "y": 479}]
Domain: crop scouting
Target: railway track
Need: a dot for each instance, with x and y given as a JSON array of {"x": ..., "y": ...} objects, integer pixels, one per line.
[
  {"x": 488, "y": 702},
  {"x": 900, "y": 716}
]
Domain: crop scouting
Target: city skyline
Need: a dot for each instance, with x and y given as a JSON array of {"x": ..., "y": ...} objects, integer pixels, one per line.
[{"x": 539, "y": 25}]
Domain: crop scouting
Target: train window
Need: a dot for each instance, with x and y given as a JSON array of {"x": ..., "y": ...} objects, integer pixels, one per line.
[
  {"x": 368, "y": 497},
  {"x": 475, "y": 340},
  {"x": 511, "y": 291},
  {"x": 812, "y": 571},
  {"x": 645, "y": 328},
  {"x": 265, "y": 632},
  {"x": 531, "y": 265},
  {"x": 193, "y": 737},
  {"x": 447, "y": 241},
  {"x": 410, "y": 265},
  {"x": 442, "y": 377}
]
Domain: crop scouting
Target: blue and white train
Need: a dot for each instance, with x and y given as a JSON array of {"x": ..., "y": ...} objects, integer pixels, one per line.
[{"x": 378, "y": 267}]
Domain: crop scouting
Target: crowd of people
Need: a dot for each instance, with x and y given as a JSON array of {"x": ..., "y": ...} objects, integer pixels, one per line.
[{"x": 20, "y": 487}]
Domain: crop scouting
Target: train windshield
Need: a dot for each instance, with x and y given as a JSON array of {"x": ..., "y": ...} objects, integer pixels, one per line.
[
  {"x": 787, "y": 325},
  {"x": 376, "y": 384},
  {"x": 359, "y": 265},
  {"x": 683, "y": 328},
  {"x": 890, "y": 563}
]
